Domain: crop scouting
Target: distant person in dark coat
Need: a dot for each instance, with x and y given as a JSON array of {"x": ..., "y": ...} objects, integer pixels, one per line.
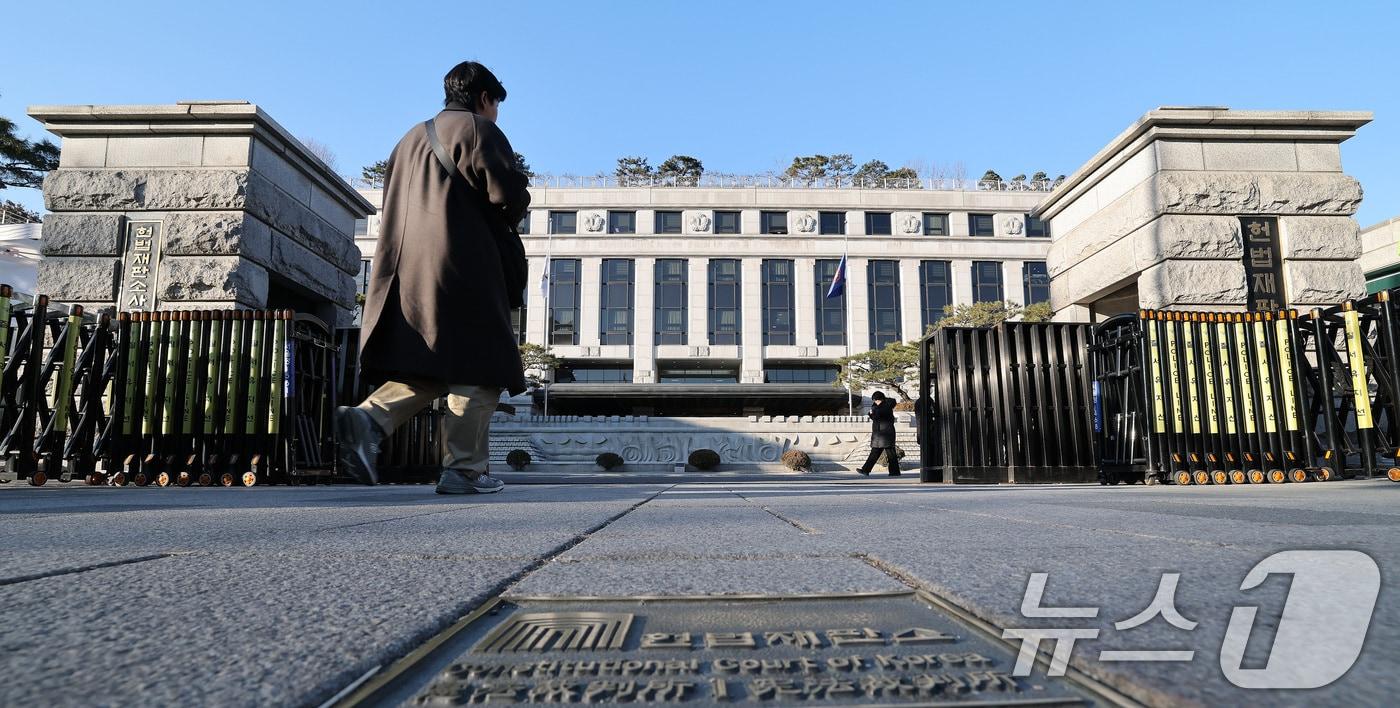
[{"x": 881, "y": 434}]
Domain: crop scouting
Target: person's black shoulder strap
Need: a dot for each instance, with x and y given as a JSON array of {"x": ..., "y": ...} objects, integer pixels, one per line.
[{"x": 443, "y": 158}]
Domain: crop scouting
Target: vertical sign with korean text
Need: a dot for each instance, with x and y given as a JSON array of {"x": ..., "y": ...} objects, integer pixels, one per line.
[
  {"x": 140, "y": 261},
  {"x": 1263, "y": 267}
]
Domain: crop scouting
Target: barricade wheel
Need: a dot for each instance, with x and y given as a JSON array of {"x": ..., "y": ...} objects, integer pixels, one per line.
[
  {"x": 1200, "y": 477},
  {"x": 184, "y": 479},
  {"x": 38, "y": 479},
  {"x": 1151, "y": 479},
  {"x": 1219, "y": 477},
  {"x": 1238, "y": 477},
  {"x": 249, "y": 479},
  {"x": 1183, "y": 478},
  {"x": 163, "y": 479},
  {"x": 1393, "y": 474},
  {"x": 1298, "y": 475},
  {"x": 1277, "y": 477},
  {"x": 119, "y": 479},
  {"x": 65, "y": 478},
  {"x": 92, "y": 481},
  {"x": 140, "y": 479},
  {"x": 227, "y": 479},
  {"x": 1256, "y": 476},
  {"x": 206, "y": 479}
]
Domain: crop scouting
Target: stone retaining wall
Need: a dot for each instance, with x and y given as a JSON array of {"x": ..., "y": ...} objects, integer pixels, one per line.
[{"x": 647, "y": 443}]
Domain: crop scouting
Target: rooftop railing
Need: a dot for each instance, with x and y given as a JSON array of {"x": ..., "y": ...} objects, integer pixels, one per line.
[
  {"x": 12, "y": 216},
  {"x": 728, "y": 181}
]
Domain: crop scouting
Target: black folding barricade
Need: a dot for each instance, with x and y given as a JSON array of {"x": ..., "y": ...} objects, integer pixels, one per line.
[
  {"x": 1006, "y": 404},
  {"x": 188, "y": 397},
  {"x": 1235, "y": 398}
]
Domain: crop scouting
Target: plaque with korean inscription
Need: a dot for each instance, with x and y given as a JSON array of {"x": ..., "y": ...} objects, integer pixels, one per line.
[
  {"x": 140, "y": 266},
  {"x": 889, "y": 648},
  {"x": 1263, "y": 263}
]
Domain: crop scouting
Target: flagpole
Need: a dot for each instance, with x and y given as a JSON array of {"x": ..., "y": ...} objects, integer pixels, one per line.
[
  {"x": 846, "y": 296},
  {"x": 548, "y": 314}
]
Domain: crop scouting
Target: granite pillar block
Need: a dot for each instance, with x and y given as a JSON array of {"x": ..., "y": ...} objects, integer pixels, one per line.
[
  {"x": 218, "y": 233},
  {"x": 82, "y": 234},
  {"x": 79, "y": 279},
  {"x": 213, "y": 278}
]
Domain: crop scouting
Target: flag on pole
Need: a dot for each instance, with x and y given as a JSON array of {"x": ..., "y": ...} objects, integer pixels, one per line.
[
  {"x": 838, "y": 281},
  {"x": 544, "y": 283}
]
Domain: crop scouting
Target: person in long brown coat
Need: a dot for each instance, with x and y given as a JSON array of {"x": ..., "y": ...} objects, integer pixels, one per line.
[{"x": 448, "y": 269}]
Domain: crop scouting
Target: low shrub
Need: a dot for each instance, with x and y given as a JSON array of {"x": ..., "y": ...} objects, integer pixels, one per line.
[
  {"x": 885, "y": 456},
  {"x": 797, "y": 460},
  {"x": 609, "y": 461},
  {"x": 904, "y": 406},
  {"x": 518, "y": 459},
  {"x": 704, "y": 459}
]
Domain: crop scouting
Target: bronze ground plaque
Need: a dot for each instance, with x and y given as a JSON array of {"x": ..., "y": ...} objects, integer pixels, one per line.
[{"x": 904, "y": 648}]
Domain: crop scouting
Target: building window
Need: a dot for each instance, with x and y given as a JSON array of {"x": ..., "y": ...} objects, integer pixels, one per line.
[
  {"x": 671, "y": 321},
  {"x": 831, "y": 312},
  {"x": 877, "y": 223},
  {"x": 884, "y": 302},
  {"x": 726, "y": 222},
  {"x": 935, "y": 290},
  {"x": 980, "y": 225},
  {"x": 361, "y": 228},
  {"x": 986, "y": 281},
  {"x": 563, "y": 301},
  {"x": 831, "y": 222},
  {"x": 724, "y": 301},
  {"x": 1035, "y": 228},
  {"x": 563, "y": 222},
  {"x": 935, "y": 224},
  {"x": 615, "y": 302},
  {"x": 668, "y": 222},
  {"x": 777, "y": 302},
  {"x": 773, "y": 222},
  {"x": 801, "y": 374},
  {"x": 578, "y": 372},
  {"x": 518, "y": 318},
  {"x": 1037, "y": 279},
  {"x": 622, "y": 222},
  {"x": 524, "y": 226},
  {"x": 700, "y": 374},
  {"x": 365, "y": 264}
]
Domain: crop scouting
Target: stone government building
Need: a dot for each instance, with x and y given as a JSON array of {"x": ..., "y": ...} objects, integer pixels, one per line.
[{"x": 711, "y": 300}]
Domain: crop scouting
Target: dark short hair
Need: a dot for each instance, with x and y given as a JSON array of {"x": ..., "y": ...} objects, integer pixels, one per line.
[
  {"x": 877, "y": 396},
  {"x": 467, "y": 80}
]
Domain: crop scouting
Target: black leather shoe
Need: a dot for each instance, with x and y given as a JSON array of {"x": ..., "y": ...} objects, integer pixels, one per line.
[
  {"x": 863, "y": 473},
  {"x": 894, "y": 474}
]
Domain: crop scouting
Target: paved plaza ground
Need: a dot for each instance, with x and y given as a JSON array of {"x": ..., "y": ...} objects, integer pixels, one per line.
[{"x": 286, "y": 595}]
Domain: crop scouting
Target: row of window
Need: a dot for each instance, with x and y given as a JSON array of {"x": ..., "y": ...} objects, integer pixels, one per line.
[
  {"x": 778, "y": 299},
  {"x": 590, "y": 372},
  {"x": 877, "y": 223}
]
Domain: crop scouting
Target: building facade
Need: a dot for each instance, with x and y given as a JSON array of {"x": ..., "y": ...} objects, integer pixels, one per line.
[
  {"x": 713, "y": 300},
  {"x": 1380, "y": 255}
]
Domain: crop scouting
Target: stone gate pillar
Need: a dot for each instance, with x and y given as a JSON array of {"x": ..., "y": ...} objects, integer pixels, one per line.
[
  {"x": 195, "y": 205},
  {"x": 1209, "y": 208}
]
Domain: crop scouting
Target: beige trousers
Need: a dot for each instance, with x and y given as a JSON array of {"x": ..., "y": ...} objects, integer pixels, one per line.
[{"x": 465, "y": 427}]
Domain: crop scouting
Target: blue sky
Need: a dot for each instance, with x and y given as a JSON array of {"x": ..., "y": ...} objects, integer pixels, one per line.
[{"x": 744, "y": 86}]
